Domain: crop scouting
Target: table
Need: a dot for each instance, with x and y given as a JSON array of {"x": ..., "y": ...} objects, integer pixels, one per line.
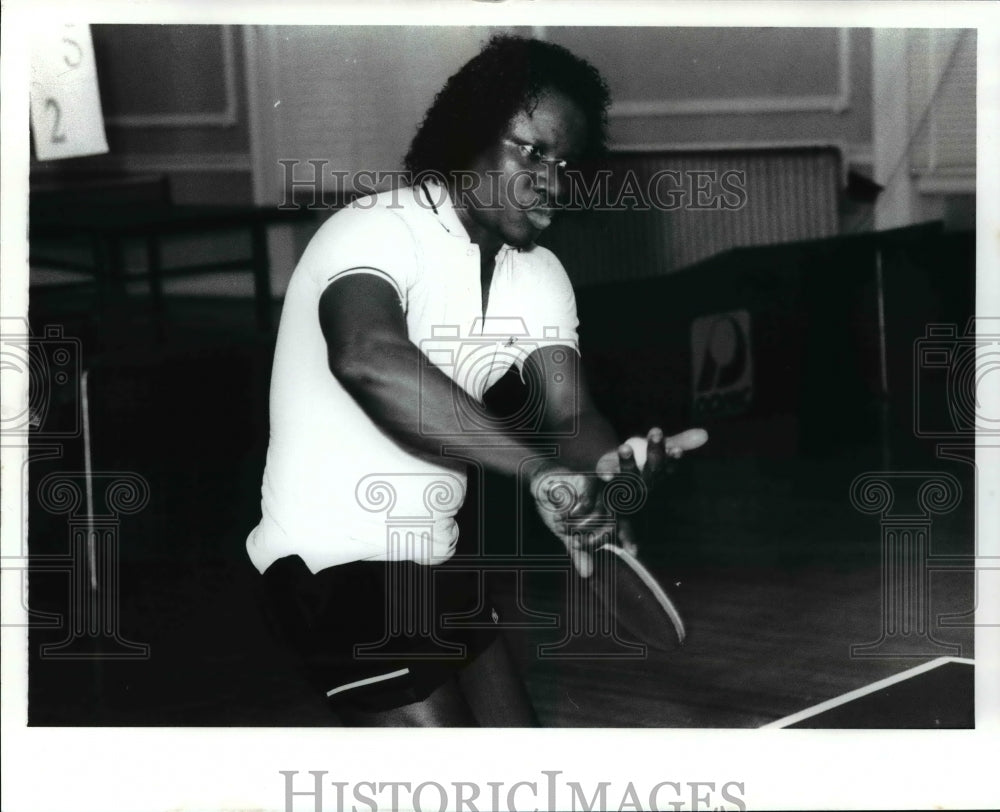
[
  {"x": 935, "y": 694},
  {"x": 106, "y": 228}
]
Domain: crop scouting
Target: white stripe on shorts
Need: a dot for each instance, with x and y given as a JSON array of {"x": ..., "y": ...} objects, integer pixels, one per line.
[{"x": 368, "y": 681}]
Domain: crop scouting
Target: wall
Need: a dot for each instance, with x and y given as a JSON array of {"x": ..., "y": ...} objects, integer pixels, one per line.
[
  {"x": 179, "y": 99},
  {"x": 174, "y": 99},
  {"x": 352, "y": 97},
  {"x": 216, "y": 107},
  {"x": 702, "y": 87},
  {"x": 174, "y": 103},
  {"x": 925, "y": 143}
]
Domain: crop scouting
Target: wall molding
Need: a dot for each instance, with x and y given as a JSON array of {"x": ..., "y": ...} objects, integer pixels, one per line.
[
  {"x": 851, "y": 155},
  {"x": 861, "y": 156},
  {"x": 959, "y": 183},
  {"x": 720, "y": 146},
  {"x": 837, "y": 103},
  {"x": 227, "y": 117}
]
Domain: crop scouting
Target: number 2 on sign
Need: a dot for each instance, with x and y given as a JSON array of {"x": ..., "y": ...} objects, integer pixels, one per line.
[{"x": 57, "y": 136}]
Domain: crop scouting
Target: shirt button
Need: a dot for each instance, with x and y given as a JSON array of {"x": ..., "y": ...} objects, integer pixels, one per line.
[{"x": 469, "y": 252}]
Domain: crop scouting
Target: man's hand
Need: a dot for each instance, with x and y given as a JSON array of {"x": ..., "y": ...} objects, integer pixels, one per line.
[
  {"x": 648, "y": 456},
  {"x": 571, "y": 505}
]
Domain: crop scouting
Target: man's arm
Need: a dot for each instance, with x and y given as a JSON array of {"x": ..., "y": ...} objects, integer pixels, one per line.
[
  {"x": 372, "y": 356},
  {"x": 569, "y": 411},
  {"x": 590, "y": 450},
  {"x": 590, "y": 442}
]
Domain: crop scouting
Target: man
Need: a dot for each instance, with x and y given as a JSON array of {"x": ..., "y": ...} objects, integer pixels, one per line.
[{"x": 365, "y": 400}]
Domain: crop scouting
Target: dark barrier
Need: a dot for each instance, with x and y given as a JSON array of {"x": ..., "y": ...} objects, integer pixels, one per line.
[{"x": 778, "y": 350}]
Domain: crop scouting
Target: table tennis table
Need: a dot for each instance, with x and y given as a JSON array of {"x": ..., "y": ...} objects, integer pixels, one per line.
[{"x": 936, "y": 694}]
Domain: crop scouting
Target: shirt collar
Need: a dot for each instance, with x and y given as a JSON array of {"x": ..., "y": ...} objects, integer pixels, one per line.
[{"x": 437, "y": 198}]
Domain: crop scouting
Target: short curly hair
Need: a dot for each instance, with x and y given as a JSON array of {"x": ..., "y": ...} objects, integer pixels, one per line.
[{"x": 475, "y": 106}]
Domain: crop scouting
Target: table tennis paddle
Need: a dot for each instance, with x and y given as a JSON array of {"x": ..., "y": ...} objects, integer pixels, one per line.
[
  {"x": 635, "y": 598},
  {"x": 621, "y": 584},
  {"x": 625, "y": 587}
]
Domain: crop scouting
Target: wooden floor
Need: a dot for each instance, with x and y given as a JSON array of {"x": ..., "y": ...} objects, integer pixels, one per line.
[
  {"x": 775, "y": 590},
  {"x": 776, "y": 573}
]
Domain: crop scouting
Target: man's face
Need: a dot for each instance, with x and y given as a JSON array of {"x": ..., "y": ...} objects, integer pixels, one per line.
[{"x": 519, "y": 178}]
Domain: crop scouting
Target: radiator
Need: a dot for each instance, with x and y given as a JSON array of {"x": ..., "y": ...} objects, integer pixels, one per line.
[{"x": 757, "y": 197}]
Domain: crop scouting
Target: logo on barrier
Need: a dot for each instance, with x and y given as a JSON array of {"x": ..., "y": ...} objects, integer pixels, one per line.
[{"x": 723, "y": 364}]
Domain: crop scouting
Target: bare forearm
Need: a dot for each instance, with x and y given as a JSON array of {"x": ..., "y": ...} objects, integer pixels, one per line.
[
  {"x": 417, "y": 405},
  {"x": 586, "y": 437},
  {"x": 569, "y": 411}
]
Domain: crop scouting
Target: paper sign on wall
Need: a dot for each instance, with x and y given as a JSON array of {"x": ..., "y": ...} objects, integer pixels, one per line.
[{"x": 66, "y": 113}]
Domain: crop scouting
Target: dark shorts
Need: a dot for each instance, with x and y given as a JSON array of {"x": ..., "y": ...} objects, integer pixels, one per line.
[{"x": 378, "y": 635}]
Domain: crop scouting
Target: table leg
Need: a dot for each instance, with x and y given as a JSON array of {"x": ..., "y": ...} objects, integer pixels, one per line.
[
  {"x": 109, "y": 270},
  {"x": 154, "y": 266},
  {"x": 261, "y": 276},
  {"x": 99, "y": 251}
]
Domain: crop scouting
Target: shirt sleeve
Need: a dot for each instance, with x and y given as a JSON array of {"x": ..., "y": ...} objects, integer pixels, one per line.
[
  {"x": 362, "y": 240},
  {"x": 552, "y": 317}
]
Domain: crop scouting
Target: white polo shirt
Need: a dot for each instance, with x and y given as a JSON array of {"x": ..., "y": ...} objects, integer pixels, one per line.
[{"x": 336, "y": 488}]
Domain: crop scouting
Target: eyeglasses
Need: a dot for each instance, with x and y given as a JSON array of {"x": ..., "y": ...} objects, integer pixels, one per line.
[{"x": 533, "y": 156}]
